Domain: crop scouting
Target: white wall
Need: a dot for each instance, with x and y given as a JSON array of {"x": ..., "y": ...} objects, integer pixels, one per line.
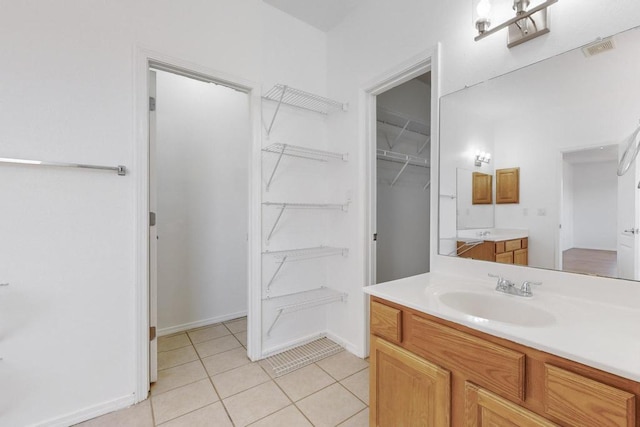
[
  {"x": 69, "y": 315},
  {"x": 203, "y": 141},
  {"x": 595, "y": 198},
  {"x": 402, "y": 217}
]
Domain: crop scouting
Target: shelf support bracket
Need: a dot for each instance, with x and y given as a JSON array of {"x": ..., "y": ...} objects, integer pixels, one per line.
[
  {"x": 273, "y": 119},
  {"x": 424, "y": 145},
  {"x": 284, "y": 206},
  {"x": 275, "y": 168},
  {"x": 284, "y": 259},
  {"x": 400, "y": 173},
  {"x": 275, "y": 321},
  {"x": 395, "y": 141},
  {"x": 427, "y": 185}
]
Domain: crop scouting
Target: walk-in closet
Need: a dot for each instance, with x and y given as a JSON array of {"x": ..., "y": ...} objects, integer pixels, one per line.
[{"x": 403, "y": 181}]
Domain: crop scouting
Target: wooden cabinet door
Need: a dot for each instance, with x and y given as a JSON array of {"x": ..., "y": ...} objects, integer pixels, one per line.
[
  {"x": 521, "y": 257},
  {"x": 505, "y": 258},
  {"x": 508, "y": 185},
  {"x": 482, "y": 189},
  {"x": 483, "y": 409},
  {"x": 406, "y": 390}
]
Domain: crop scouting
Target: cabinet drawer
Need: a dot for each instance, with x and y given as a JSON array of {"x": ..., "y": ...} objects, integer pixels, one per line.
[
  {"x": 489, "y": 365},
  {"x": 580, "y": 401},
  {"x": 512, "y": 245},
  {"x": 499, "y": 247},
  {"x": 386, "y": 322}
]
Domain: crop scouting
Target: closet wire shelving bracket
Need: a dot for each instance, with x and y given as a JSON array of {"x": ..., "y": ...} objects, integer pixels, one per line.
[
  {"x": 121, "y": 170},
  {"x": 299, "y": 152},
  {"x": 406, "y": 160},
  {"x": 283, "y": 94},
  {"x": 304, "y": 253},
  {"x": 395, "y": 119},
  {"x": 305, "y": 300},
  {"x": 284, "y": 206}
]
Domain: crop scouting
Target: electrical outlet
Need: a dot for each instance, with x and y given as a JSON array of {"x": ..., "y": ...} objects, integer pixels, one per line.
[
  {"x": 542, "y": 212},
  {"x": 525, "y": 212}
]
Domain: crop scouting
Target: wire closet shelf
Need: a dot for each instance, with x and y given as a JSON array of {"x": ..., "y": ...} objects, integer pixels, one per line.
[
  {"x": 284, "y": 206},
  {"x": 283, "y": 94},
  {"x": 304, "y": 300}
]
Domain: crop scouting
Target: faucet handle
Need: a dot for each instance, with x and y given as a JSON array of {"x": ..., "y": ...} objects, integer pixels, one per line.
[
  {"x": 526, "y": 287},
  {"x": 502, "y": 282}
]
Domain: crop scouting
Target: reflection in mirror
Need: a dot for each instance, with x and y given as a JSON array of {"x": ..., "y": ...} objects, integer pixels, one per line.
[
  {"x": 564, "y": 123},
  {"x": 474, "y": 200}
]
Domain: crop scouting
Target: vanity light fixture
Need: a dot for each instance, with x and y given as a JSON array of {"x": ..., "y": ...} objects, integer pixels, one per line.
[
  {"x": 482, "y": 157},
  {"x": 526, "y": 25}
]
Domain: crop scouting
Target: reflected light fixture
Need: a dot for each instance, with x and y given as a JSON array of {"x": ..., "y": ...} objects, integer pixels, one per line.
[
  {"x": 482, "y": 157},
  {"x": 526, "y": 25}
]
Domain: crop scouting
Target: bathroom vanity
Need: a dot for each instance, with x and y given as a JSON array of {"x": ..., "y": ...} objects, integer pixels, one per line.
[
  {"x": 448, "y": 351},
  {"x": 503, "y": 246}
]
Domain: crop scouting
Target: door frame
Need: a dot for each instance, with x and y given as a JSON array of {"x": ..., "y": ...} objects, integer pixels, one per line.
[
  {"x": 144, "y": 59},
  {"x": 560, "y": 196},
  {"x": 427, "y": 60}
]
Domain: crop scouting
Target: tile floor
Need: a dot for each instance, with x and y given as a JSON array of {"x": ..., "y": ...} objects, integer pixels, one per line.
[{"x": 206, "y": 379}]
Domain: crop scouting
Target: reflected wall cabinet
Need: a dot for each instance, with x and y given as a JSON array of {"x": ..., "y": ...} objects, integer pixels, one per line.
[
  {"x": 482, "y": 189},
  {"x": 507, "y": 185}
]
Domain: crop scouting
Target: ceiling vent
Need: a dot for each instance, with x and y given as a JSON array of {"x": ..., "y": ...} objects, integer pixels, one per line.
[{"x": 600, "y": 46}]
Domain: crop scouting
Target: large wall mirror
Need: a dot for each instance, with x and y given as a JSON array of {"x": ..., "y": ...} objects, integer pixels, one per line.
[{"x": 529, "y": 161}]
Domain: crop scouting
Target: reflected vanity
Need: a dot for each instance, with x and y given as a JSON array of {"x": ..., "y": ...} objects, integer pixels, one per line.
[{"x": 548, "y": 195}]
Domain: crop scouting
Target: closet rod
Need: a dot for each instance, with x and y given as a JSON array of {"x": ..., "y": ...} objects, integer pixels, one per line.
[{"x": 121, "y": 170}]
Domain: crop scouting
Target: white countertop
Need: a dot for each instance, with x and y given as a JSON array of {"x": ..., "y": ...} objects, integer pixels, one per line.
[
  {"x": 600, "y": 335},
  {"x": 494, "y": 234}
]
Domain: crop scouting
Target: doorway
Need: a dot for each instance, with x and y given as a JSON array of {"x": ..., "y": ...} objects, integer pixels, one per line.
[
  {"x": 200, "y": 139},
  {"x": 589, "y": 235},
  {"x": 402, "y": 180}
]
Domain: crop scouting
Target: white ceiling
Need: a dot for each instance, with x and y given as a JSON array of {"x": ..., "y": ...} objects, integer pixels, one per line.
[
  {"x": 322, "y": 14},
  {"x": 607, "y": 153}
]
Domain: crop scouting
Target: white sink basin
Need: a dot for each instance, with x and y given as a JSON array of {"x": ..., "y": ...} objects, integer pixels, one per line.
[{"x": 499, "y": 308}]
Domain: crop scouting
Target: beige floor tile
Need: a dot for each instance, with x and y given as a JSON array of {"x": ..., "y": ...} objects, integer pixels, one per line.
[
  {"x": 237, "y": 325},
  {"x": 208, "y": 333},
  {"x": 255, "y": 403},
  {"x": 242, "y": 337},
  {"x": 330, "y": 406},
  {"x": 183, "y": 400},
  {"x": 358, "y": 384},
  {"x": 178, "y": 376},
  {"x": 267, "y": 368},
  {"x": 289, "y": 417},
  {"x": 217, "y": 345},
  {"x": 135, "y": 416},
  {"x": 303, "y": 382},
  {"x": 209, "y": 416},
  {"x": 343, "y": 364},
  {"x": 226, "y": 361},
  {"x": 179, "y": 356},
  {"x": 172, "y": 342},
  {"x": 239, "y": 379},
  {"x": 361, "y": 419}
]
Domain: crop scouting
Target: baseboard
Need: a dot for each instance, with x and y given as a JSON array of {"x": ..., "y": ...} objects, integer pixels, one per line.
[
  {"x": 347, "y": 345},
  {"x": 200, "y": 323},
  {"x": 89, "y": 413}
]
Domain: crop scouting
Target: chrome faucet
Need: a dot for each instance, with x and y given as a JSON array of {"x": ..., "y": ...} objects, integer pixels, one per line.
[{"x": 508, "y": 287}]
